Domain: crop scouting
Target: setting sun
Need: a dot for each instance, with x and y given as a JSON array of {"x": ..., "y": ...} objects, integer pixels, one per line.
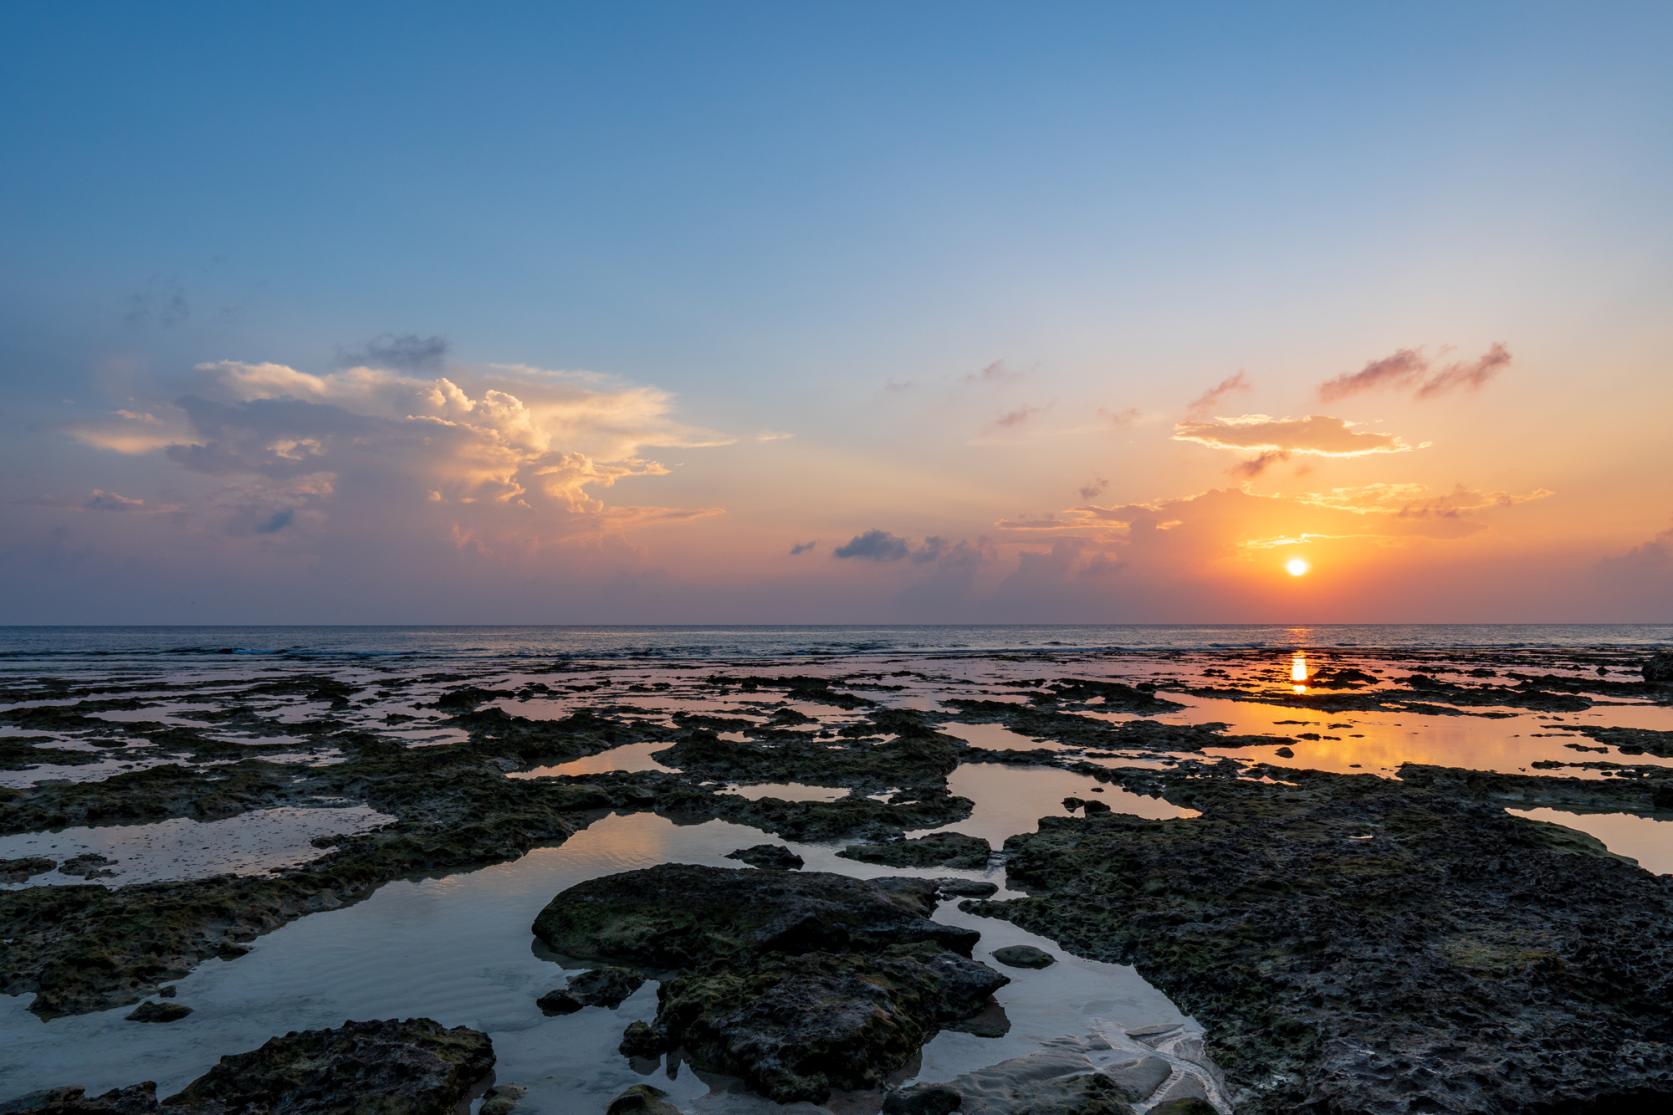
[{"x": 1297, "y": 567}]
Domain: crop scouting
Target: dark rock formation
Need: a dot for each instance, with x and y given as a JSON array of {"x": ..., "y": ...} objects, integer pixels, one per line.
[
  {"x": 938, "y": 849},
  {"x": 769, "y": 856},
  {"x": 796, "y": 982}
]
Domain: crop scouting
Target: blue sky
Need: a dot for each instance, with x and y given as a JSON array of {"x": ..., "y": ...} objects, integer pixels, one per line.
[{"x": 771, "y": 212}]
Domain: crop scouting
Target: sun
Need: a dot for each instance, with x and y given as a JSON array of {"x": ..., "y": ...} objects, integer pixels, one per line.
[{"x": 1297, "y": 567}]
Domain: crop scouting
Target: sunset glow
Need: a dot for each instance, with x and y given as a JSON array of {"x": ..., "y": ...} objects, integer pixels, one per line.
[{"x": 760, "y": 351}]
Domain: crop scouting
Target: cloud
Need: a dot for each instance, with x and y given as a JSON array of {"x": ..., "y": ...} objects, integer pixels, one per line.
[
  {"x": 881, "y": 546},
  {"x": 1469, "y": 377},
  {"x": 162, "y": 301},
  {"x": 276, "y": 522},
  {"x": 516, "y": 450},
  {"x": 1093, "y": 488},
  {"x": 1016, "y": 419},
  {"x": 773, "y": 435},
  {"x": 1647, "y": 559},
  {"x": 1411, "y": 368},
  {"x": 1231, "y": 385},
  {"x": 1255, "y": 466},
  {"x": 996, "y": 372},
  {"x": 873, "y": 545},
  {"x": 799, "y": 548},
  {"x": 1414, "y": 500},
  {"x": 101, "y": 500},
  {"x": 406, "y": 352},
  {"x": 1314, "y": 435},
  {"x": 1118, "y": 419},
  {"x": 1194, "y": 530}
]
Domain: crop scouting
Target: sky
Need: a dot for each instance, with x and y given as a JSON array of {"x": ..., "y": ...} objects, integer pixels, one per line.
[{"x": 836, "y": 312}]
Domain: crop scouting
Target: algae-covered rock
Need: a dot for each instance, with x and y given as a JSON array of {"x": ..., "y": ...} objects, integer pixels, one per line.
[
  {"x": 642, "y": 1099},
  {"x": 768, "y": 856},
  {"x": 795, "y": 1026},
  {"x": 939, "y": 849},
  {"x": 413, "y": 1067},
  {"x": 159, "y": 1012},
  {"x": 799, "y": 983},
  {"x": 678, "y": 915},
  {"x": 600, "y": 987},
  {"x": 1024, "y": 956},
  {"x": 1342, "y": 937},
  {"x": 23, "y": 868}
]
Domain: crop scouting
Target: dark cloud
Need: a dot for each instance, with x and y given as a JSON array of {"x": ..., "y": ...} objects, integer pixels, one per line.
[
  {"x": 101, "y": 500},
  {"x": 1410, "y": 368},
  {"x": 874, "y": 545},
  {"x": 1231, "y": 385},
  {"x": 1469, "y": 377},
  {"x": 1014, "y": 419},
  {"x": 800, "y": 548},
  {"x": 1256, "y": 465},
  {"x": 406, "y": 352},
  {"x": 276, "y": 522},
  {"x": 996, "y": 372},
  {"x": 161, "y": 301},
  {"x": 1093, "y": 489}
]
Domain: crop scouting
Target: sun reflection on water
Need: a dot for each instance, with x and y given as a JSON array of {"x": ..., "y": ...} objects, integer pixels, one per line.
[{"x": 1298, "y": 671}]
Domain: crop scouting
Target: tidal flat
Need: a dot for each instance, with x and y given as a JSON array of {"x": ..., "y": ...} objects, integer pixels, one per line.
[{"x": 1302, "y": 875}]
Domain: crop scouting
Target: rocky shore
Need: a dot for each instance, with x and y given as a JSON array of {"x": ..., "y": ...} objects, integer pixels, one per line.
[{"x": 1351, "y": 942}]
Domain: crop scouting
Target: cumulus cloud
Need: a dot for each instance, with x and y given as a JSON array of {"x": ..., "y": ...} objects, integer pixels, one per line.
[
  {"x": 285, "y": 441},
  {"x": 1314, "y": 435},
  {"x": 874, "y": 545},
  {"x": 1208, "y": 400},
  {"x": 1410, "y": 368}
]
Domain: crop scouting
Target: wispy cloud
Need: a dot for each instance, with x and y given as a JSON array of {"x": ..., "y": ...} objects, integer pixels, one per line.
[
  {"x": 1411, "y": 368},
  {"x": 1094, "y": 488},
  {"x": 996, "y": 372},
  {"x": 1235, "y": 384},
  {"x": 1017, "y": 418},
  {"x": 799, "y": 548},
  {"x": 1313, "y": 435}
]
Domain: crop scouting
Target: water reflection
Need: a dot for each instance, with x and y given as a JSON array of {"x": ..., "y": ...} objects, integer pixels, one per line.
[{"x": 1298, "y": 671}]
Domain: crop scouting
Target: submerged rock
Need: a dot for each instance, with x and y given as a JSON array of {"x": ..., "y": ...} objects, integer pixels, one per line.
[
  {"x": 796, "y": 982},
  {"x": 24, "y": 868},
  {"x": 768, "y": 855},
  {"x": 502, "y": 1099},
  {"x": 1024, "y": 956},
  {"x": 600, "y": 987},
  {"x": 642, "y": 1099},
  {"x": 939, "y": 849},
  {"x": 158, "y": 1012}
]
